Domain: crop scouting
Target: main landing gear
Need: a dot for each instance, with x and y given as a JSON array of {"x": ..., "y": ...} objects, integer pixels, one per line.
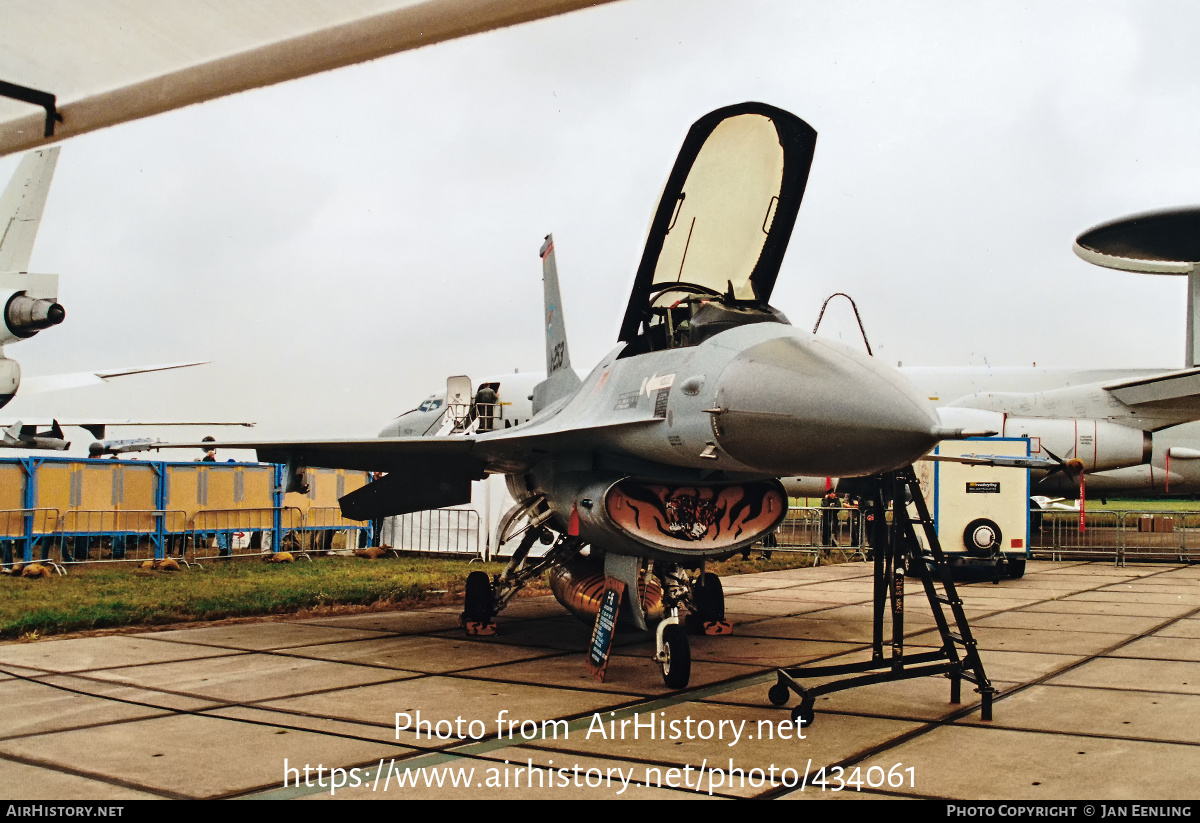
[
  {"x": 699, "y": 594},
  {"x": 485, "y": 598},
  {"x": 479, "y": 606}
]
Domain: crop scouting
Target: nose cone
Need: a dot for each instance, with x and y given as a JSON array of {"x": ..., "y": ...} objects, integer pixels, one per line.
[{"x": 797, "y": 405}]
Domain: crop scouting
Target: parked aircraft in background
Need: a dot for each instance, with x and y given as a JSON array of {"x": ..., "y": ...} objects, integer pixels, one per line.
[
  {"x": 30, "y": 305},
  {"x": 30, "y": 300},
  {"x": 668, "y": 452}
]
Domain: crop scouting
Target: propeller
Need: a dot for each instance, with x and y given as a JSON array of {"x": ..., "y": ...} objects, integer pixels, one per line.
[{"x": 1073, "y": 468}]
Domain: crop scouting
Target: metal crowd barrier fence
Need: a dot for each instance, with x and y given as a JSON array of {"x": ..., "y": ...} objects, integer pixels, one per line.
[
  {"x": 230, "y": 533},
  {"x": 322, "y": 526},
  {"x": 818, "y": 530},
  {"x": 117, "y": 536},
  {"x": 21, "y": 530},
  {"x": 1117, "y": 535},
  {"x": 137, "y": 535},
  {"x": 441, "y": 531}
]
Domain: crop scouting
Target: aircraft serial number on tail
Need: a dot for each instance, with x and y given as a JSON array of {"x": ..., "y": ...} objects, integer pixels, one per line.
[{"x": 557, "y": 356}]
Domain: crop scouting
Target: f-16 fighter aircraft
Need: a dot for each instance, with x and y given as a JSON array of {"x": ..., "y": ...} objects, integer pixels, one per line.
[{"x": 667, "y": 453}]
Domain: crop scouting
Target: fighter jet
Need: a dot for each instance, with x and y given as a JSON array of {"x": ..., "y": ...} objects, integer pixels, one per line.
[{"x": 667, "y": 453}]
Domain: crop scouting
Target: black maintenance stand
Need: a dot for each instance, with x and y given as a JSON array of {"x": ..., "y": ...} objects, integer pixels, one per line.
[{"x": 896, "y": 548}]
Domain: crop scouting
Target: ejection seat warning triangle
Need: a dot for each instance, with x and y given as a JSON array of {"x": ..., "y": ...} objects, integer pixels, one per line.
[{"x": 606, "y": 626}]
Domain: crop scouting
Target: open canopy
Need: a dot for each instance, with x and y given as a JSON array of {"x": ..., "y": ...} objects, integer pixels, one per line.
[{"x": 727, "y": 211}]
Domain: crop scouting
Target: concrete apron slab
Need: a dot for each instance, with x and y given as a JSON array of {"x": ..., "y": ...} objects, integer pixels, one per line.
[{"x": 215, "y": 712}]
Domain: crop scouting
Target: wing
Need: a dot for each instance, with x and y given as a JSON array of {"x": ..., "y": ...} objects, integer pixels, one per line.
[
  {"x": 111, "y": 61},
  {"x": 422, "y": 472},
  {"x": 75, "y": 380},
  {"x": 1167, "y": 399}
]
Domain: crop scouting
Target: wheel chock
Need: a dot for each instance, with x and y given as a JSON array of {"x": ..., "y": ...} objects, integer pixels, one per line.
[
  {"x": 480, "y": 628},
  {"x": 718, "y": 627}
]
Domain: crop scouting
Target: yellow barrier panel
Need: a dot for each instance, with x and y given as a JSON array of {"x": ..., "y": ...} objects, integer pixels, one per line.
[{"x": 12, "y": 486}]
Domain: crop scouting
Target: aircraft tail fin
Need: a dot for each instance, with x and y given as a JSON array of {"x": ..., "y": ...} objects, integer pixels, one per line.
[
  {"x": 561, "y": 379},
  {"x": 21, "y": 207}
]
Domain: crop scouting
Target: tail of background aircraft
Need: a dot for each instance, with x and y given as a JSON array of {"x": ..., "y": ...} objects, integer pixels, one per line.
[
  {"x": 561, "y": 379},
  {"x": 21, "y": 208}
]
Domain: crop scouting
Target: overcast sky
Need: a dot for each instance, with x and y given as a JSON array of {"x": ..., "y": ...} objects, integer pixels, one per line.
[{"x": 339, "y": 244}]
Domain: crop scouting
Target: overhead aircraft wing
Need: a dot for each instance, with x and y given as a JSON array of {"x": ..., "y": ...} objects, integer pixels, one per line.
[
  {"x": 75, "y": 380},
  {"x": 71, "y": 68},
  {"x": 1172, "y": 398}
]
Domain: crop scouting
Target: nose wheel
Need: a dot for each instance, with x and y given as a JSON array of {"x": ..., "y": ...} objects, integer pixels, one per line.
[{"x": 674, "y": 653}]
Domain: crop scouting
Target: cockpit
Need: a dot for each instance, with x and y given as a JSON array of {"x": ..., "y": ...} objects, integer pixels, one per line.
[{"x": 682, "y": 315}]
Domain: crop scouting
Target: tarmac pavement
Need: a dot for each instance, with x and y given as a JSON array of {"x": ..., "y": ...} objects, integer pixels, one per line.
[{"x": 1097, "y": 667}]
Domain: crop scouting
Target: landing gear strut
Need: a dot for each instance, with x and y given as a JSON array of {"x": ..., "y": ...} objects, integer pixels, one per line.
[{"x": 485, "y": 598}]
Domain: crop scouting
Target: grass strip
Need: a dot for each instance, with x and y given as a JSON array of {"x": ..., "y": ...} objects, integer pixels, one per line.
[{"x": 116, "y": 595}]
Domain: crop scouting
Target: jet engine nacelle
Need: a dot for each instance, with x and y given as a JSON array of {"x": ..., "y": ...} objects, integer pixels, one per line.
[
  {"x": 25, "y": 316},
  {"x": 670, "y": 519},
  {"x": 1099, "y": 445}
]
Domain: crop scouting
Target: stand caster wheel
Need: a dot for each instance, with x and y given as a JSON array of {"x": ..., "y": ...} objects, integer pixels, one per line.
[
  {"x": 803, "y": 715},
  {"x": 677, "y": 663},
  {"x": 779, "y": 694}
]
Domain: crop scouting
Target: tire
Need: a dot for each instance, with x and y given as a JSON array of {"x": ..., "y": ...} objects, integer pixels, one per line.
[
  {"x": 709, "y": 598},
  {"x": 478, "y": 602},
  {"x": 982, "y": 537},
  {"x": 1016, "y": 566},
  {"x": 677, "y": 668},
  {"x": 804, "y": 714},
  {"x": 779, "y": 694}
]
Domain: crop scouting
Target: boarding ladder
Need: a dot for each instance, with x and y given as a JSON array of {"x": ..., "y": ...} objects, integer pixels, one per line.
[{"x": 896, "y": 548}]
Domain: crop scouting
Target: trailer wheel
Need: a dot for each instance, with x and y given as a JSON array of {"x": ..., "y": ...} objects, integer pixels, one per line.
[
  {"x": 1016, "y": 566},
  {"x": 982, "y": 537}
]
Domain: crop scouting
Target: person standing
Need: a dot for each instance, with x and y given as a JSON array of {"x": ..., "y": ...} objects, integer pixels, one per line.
[{"x": 830, "y": 504}]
